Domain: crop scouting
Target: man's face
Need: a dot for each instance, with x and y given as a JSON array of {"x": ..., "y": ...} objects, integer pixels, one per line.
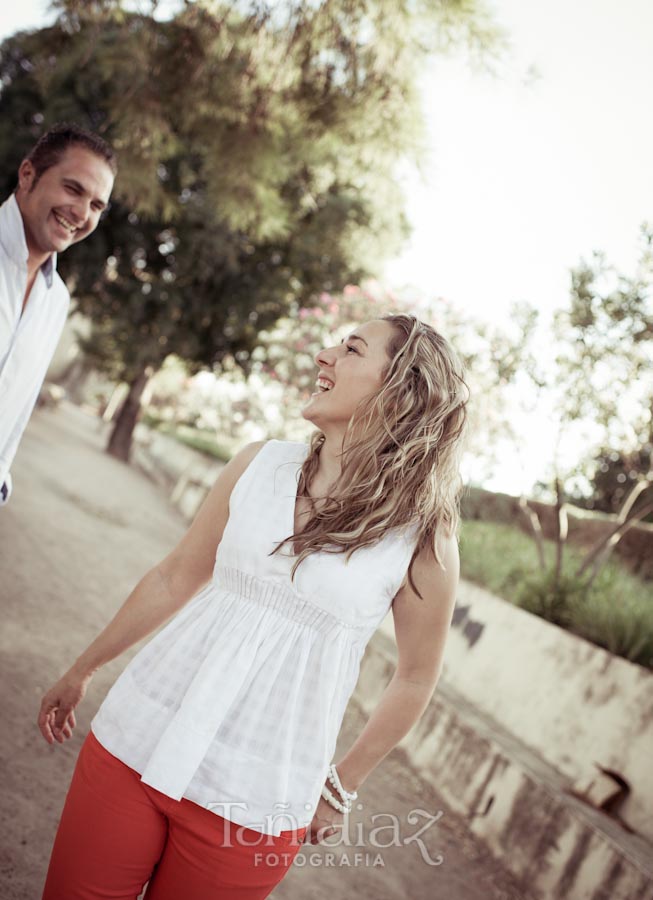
[{"x": 64, "y": 205}]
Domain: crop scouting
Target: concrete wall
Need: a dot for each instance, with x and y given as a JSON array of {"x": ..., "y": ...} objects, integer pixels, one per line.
[
  {"x": 558, "y": 847},
  {"x": 574, "y": 703},
  {"x": 186, "y": 473}
]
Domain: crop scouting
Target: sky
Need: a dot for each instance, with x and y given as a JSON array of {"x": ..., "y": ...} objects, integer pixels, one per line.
[
  {"x": 536, "y": 167},
  {"x": 527, "y": 171}
]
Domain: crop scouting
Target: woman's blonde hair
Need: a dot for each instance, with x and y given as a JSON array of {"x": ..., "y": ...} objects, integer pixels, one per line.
[{"x": 401, "y": 453}]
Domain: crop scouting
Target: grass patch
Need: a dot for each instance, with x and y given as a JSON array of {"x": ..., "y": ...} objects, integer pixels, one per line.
[
  {"x": 615, "y": 613},
  {"x": 203, "y": 441}
]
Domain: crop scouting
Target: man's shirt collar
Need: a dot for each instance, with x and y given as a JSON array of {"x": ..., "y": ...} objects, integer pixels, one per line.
[{"x": 12, "y": 238}]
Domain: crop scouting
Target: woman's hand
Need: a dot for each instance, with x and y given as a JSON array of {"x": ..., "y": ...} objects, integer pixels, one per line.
[
  {"x": 326, "y": 821},
  {"x": 56, "y": 716}
]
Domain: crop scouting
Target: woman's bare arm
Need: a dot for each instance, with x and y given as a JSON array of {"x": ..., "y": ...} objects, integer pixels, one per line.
[
  {"x": 421, "y": 628},
  {"x": 161, "y": 593}
]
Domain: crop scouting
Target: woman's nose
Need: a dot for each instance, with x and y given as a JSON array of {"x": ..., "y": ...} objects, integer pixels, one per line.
[{"x": 325, "y": 357}]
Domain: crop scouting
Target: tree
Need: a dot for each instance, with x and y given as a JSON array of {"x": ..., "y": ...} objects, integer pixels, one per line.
[
  {"x": 492, "y": 356},
  {"x": 603, "y": 375},
  {"x": 282, "y": 369},
  {"x": 607, "y": 366},
  {"x": 257, "y": 146},
  {"x": 615, "y": 474}
]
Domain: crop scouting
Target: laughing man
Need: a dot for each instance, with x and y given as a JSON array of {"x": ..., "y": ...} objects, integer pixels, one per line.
[{"x": 64, "y": 184}]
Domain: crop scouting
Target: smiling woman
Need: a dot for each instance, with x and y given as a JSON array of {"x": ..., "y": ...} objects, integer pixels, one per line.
[
  {"x": 229, "y": 716},
  {"x": 396, "y": 411},
  {"x": 350, "y": 372}
]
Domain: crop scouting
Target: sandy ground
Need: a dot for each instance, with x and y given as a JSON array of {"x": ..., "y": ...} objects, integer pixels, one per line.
[{"x": 80, "y": 530}]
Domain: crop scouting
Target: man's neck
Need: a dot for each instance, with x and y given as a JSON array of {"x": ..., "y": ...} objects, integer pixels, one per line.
[{"x": 34, "y": 263}]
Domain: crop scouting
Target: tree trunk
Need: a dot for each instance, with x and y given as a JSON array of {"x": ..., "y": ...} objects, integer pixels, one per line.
[
  {"x": 120, "y": 441},
  {"x": 562, "y": 532},
  {"x": 74, "y": 379},
  {"x": 599, "y": 553},
  {"x": 614, "y": 538},
  {"x": 536, "y": 528}
]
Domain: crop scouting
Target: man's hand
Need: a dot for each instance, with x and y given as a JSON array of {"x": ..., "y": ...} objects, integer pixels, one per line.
[{"x": 5, "y": 490}]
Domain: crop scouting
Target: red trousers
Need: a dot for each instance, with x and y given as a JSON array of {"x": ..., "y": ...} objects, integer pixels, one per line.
[{"x": 117, "y": 833}]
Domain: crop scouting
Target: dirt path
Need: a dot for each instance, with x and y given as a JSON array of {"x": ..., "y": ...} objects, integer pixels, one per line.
[{"x": 80, "y": 530}]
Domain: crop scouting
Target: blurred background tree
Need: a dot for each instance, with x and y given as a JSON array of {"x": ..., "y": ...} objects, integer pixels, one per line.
[
  {"x": 224, "y": 412},
  {"x": 605, "y": 370},
  {"x": 258, "y": 144},
  {"x": 602, "y": 384}
]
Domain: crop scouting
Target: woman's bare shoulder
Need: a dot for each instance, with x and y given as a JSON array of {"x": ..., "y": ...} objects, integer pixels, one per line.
[{"x": 247, "y": 453}]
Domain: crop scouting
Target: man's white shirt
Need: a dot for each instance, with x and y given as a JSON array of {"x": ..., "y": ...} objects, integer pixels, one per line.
[{"x": 27, "y": 341}]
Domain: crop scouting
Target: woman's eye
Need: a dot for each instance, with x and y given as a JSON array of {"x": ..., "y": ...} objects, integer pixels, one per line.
[{"x": 351, "y": 347}]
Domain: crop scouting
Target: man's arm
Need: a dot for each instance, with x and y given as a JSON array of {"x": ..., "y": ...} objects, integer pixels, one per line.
[{"x": 11, "y": 446}]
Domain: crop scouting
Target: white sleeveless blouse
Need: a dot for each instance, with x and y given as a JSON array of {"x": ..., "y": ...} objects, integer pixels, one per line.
[{"x": 237, "y": 702}]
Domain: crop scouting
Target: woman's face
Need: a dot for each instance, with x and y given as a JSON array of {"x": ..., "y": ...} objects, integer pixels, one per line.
[{"x": 348, "y": 373}]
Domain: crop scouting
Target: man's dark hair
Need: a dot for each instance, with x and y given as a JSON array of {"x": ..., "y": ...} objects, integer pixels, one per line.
[{"x": 52, "y": 145}]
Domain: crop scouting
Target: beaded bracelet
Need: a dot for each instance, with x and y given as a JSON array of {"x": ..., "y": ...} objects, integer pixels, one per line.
[
  {"x": 346, "y": 796},
  {"x": 334, "y": 802}
]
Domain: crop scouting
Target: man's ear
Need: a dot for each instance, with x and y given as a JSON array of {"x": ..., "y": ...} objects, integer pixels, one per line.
[{"x": 26, "y": 176}]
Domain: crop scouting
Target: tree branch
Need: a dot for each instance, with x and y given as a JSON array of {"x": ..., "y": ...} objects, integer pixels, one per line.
[
  {"x": 600, "y": 554},
  {"x": 563, "y": 529},
  {"x": 536, "y": 528}
]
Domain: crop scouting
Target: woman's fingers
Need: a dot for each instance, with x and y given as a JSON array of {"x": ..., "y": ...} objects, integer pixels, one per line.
[
  {"x": 69, "y": 724},
  {"x": 323, "y": 832},
  {"x": 56, "y": 717},
  {"x": 55, "y": 723},
  {"x": 63, "y": 726},
  {"x": 46, "y": 719}
]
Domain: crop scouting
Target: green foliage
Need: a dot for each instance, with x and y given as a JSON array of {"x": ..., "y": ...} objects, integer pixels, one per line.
[
  {"x": 205, "y": 442},
  {"x": 615, "y": 613},
  {"x": 602, "y": 385},
  {"x": 549, "y": 596},
  {"x": 282, "y": 368},
  {"x": 605, "y": 340},
  {"x": 491, "y": 355},
  {"x": 615, "y": 474},
  {"x": 257, "y": 145}
]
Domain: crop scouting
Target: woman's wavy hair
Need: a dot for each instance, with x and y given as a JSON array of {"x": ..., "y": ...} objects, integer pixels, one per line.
[{"x": 401, "y": 453}]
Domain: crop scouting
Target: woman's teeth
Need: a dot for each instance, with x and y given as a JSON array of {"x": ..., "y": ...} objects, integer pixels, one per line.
[{"x": 324, "y": 385}]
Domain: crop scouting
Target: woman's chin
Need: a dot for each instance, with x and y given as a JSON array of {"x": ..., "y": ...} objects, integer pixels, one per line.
[
  {"x": 307, "y": 412},
  {"x": 310, "y": 411}
]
